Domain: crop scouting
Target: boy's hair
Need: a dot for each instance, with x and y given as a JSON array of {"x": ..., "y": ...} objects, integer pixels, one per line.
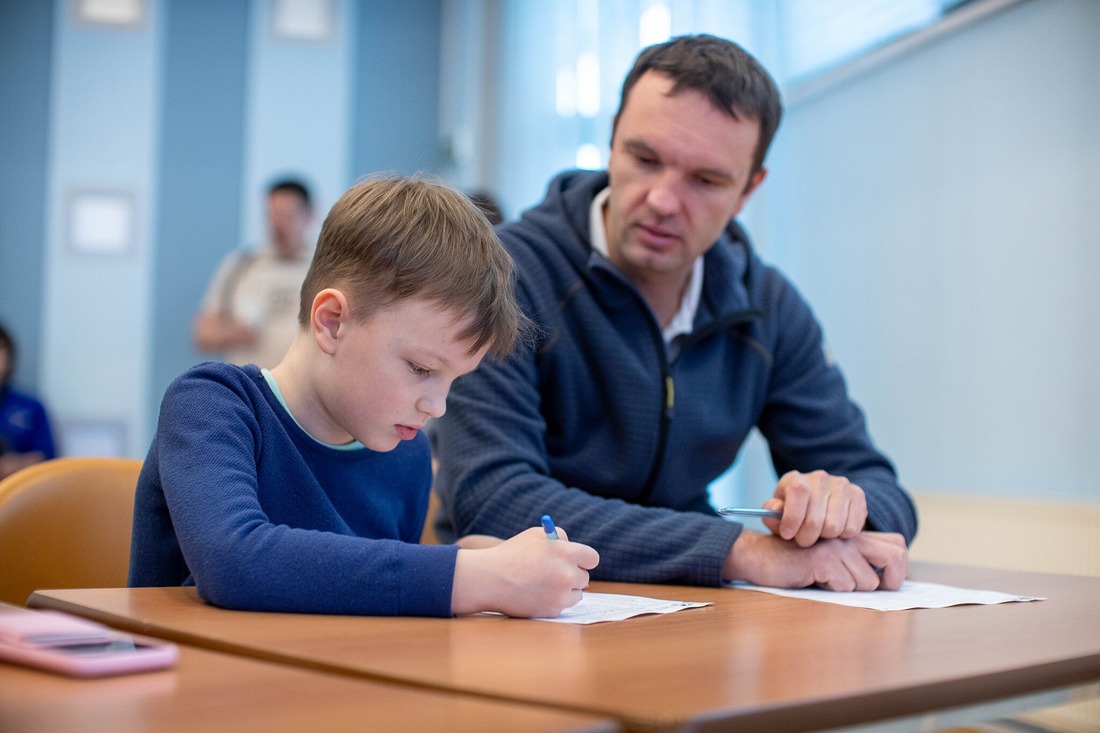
[
  {"x": 390, "y": 238},
  {"x": 732, "y": 79}
]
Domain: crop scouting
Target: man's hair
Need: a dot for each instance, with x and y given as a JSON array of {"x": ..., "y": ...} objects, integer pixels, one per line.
[
  {"x": 487, "y": 202},
  {"x": 390, "y": 238},
  {"x": 732, "y": 79},
  {"x": 294, "y": 186}
]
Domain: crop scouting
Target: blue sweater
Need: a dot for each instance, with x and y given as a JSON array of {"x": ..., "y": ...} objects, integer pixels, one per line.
[
  {"x": 596, "y": 426},
  {"x": 24, "y": 427},
  {"x": 237, "y": 499}
]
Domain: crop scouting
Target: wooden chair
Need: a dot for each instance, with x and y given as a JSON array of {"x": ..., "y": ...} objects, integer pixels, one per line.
[
  {"x": 428, "y": 536},
  {"x": 66, "y": 523}
]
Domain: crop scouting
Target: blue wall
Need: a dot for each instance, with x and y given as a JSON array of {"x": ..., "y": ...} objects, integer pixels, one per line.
[
  {"x": 190, "y": 114},
  {"x": 396, "y": 119},
  {"x": 199, "y": 168},
  {"x": 946, "y": 234},
  {"x": 25, "y": 32}
]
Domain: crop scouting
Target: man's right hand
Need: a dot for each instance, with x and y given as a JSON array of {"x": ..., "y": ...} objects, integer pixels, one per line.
[{"x": 868, "y": 561}]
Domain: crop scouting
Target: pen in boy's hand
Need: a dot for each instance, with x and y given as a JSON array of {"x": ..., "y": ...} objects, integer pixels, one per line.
[
  {"x": 737, "y": 511},
  {"x": 549, "y": 528}
]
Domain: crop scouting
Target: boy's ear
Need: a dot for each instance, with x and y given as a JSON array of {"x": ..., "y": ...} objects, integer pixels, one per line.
[{"x": 329, "y": 313}]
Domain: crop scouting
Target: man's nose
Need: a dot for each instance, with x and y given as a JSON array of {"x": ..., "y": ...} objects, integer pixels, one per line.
[{"x": 664, "y": 196}]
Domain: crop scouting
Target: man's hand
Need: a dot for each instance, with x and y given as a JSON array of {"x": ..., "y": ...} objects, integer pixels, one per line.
[
  {"x": 817, "y": 506},
  {"x": 868, "y": 561},
  {"x": 214, "y": 332}
]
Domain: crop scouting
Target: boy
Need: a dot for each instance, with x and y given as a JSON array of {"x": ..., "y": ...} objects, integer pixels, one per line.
[{"x": 301, "y": 488}]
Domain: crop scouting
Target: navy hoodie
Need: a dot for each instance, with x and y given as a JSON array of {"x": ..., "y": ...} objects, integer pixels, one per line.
[{"x": 596, "y": 426}]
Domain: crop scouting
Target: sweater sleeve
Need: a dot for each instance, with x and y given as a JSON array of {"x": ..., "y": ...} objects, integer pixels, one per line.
[
  {"x": 208, "y": 453},
  {"x": 811, "y": 423},
  {"x": 495, "y": 479}
]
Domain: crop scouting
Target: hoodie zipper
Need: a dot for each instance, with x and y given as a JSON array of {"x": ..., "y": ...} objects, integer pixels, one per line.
[{"x": 668, "y": 387}]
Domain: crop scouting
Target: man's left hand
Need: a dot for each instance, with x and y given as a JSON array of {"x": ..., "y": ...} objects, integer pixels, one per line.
[{"x": 817, "y": 506}]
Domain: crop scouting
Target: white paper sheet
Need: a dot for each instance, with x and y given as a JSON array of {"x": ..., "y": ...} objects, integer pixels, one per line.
[
  {"x": 912, "y": 594},
  {"x": 597, "y": 607}
]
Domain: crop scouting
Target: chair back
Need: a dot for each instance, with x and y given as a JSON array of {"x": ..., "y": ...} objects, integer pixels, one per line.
[
  {"x": 66, "y": 523},
  {"x": 428, "y": 536}
]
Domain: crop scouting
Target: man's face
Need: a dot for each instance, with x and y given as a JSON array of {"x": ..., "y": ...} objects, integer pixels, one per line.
[
  {"x": 680, "y": 169},
  {"x": 390, "y": 373},
  {"x": 287, "y": 218}
]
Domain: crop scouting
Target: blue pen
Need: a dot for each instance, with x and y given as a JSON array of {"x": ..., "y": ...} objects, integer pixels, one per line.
[{"x": 549, "y": 528}]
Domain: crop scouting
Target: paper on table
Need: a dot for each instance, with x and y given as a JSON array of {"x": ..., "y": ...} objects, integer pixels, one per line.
[
  {"x": 596, "y": 607},
  {"x": 912, "y": 594}
]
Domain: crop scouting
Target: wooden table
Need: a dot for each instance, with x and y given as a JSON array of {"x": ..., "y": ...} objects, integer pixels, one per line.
[
  {"x": 212, "y": 691},
  {"x": 750, "y": 662}
]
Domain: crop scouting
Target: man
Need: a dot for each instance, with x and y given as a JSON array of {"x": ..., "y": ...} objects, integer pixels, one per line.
[
  {"x": 663, "y": 339},
  {"x": 250, "y": 310}
]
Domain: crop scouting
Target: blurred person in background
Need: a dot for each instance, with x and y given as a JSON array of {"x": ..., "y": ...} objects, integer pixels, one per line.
[
  {"x": 250, "y": 312},
  {"x": 25, "y": 434}
]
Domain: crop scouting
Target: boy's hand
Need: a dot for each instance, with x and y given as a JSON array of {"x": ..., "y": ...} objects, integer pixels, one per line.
[
  {"x": 525, "y": 576},
  {"x": 477, "y": 541}
]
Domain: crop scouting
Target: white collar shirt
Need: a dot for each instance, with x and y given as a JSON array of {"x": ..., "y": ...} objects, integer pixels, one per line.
[{"x": 681, "y": 323}]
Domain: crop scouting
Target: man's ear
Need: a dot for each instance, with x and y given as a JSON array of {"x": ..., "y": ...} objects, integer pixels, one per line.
[
  {"x": 327, "y": 317},
  {"x": 754, "y": 181}
]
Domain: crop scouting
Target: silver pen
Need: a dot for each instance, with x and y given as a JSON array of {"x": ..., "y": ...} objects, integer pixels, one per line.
[{"x": 742, "y": 511}]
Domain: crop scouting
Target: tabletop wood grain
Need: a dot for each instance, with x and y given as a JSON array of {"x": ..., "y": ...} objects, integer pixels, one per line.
[{"x": 750, "y": 661}]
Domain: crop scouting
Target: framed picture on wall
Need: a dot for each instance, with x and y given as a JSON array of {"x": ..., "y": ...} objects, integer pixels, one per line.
[
  {"x": 101, "y": 221},
  {"x": 126, "y": 13},
  {"x": 93, "y": 438},
  {"x": 302, "y": 20}
]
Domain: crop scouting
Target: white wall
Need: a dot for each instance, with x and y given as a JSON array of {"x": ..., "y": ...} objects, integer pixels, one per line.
[
  {"x": 940, "y": 214},
  {"x": 105, "y": 89},
  {"x": 106, "y": 131}
]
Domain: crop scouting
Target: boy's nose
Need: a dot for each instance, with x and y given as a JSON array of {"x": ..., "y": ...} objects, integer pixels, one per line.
[{"x": 432, "y": 405}]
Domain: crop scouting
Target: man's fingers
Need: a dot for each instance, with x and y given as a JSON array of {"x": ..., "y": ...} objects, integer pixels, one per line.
[{"x": 882, "y": 551}]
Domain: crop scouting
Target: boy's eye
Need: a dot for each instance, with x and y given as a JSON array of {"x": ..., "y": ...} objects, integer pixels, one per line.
[{"x": 418, "y": 370}]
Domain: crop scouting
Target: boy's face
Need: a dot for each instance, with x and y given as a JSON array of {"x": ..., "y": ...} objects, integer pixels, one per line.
[{"x": 391, "y": 373}]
